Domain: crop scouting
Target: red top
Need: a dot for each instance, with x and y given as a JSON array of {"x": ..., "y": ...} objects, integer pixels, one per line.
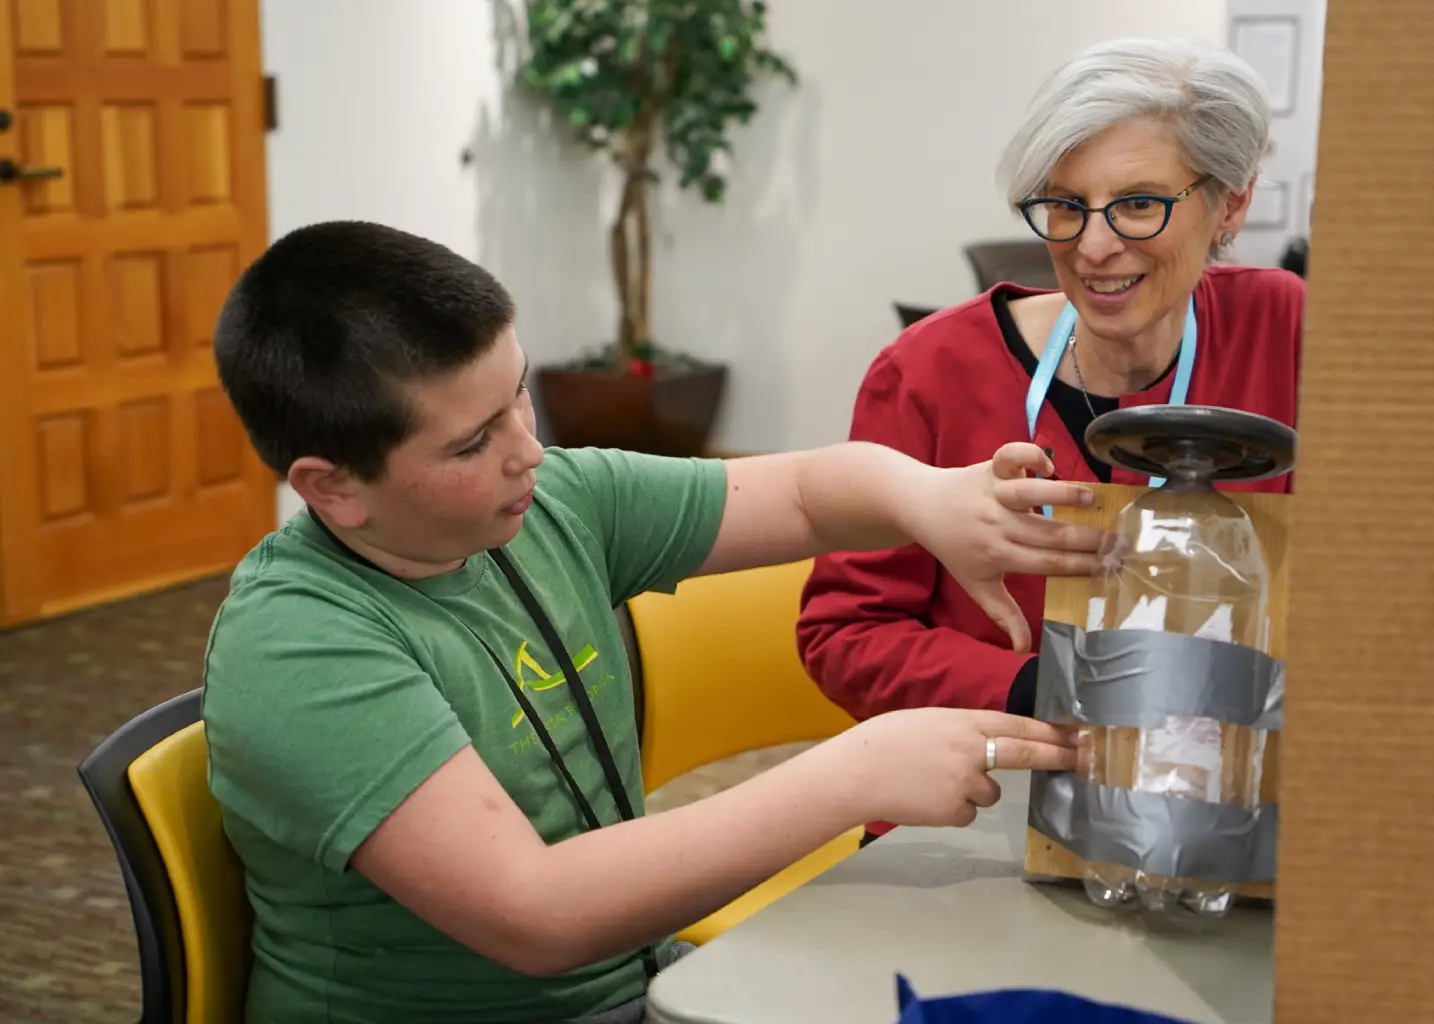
[{"x": 891, "y": 629}]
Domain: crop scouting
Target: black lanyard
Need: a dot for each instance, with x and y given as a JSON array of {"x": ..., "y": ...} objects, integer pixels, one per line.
[{"x": 570, "y": 675}]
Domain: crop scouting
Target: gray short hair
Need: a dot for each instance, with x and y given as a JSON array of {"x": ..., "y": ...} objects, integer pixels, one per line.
[{"x": 1215, "y": 101}]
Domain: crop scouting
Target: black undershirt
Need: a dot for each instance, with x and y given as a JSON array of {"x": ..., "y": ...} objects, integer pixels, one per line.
[
  {"x": 1070, "y": 405},
  {"x": 1068, "y": 401}
]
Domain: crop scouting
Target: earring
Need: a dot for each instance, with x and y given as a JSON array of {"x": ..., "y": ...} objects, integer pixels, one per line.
[{"x": 1226, "y": 239}]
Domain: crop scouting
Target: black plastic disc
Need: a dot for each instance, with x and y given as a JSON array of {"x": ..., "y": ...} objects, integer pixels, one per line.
[{"x": 1154, "y": 439}]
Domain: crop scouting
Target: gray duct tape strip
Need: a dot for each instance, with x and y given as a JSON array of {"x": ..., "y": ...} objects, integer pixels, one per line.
[
  {"x": 1164, "y": 835},
  {"x": 1135, "y": 677}
]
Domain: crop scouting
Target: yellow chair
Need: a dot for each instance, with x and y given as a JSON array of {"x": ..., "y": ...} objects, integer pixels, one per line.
[
  {"x": 149, "y": 782},
  {"x": 717, "y": 671}
]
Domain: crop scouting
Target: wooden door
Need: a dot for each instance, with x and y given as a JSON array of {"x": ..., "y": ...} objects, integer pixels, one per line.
[{"x": 122, "y": 464}]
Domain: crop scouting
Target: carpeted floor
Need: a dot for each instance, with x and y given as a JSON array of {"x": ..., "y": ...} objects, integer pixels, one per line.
[{"x": 67, "y": 952}]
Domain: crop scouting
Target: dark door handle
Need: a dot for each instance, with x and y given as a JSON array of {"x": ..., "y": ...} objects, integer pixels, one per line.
[{"x": 11, "y": 171}]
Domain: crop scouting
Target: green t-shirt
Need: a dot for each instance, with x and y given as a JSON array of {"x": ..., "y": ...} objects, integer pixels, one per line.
[{"x": 332, "y": 690}]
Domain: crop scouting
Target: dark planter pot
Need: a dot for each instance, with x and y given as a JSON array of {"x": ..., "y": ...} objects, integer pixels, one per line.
[{"x": 668, "y": 415}]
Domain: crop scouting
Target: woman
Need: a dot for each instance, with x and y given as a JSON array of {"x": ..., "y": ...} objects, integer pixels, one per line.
[{"x": 1135, "y": 166}]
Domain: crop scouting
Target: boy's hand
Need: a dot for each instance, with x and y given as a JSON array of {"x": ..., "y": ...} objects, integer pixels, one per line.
[
  {"x": 927, "y": 766},
  {"x": 984, "y": 521}
]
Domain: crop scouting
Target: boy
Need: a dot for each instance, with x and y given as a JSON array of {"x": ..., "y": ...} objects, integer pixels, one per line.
[{"x": 415, "y": 808}]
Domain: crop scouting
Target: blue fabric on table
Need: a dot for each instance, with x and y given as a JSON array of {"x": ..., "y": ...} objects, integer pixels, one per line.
[{"x": 1016, "y": 1006}]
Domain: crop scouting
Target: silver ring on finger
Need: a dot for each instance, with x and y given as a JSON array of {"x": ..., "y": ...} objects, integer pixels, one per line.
[{"x": 991, "y": 754}]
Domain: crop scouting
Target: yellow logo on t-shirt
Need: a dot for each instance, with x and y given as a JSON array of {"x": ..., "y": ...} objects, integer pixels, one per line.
[{"x": 544, "y": 680}]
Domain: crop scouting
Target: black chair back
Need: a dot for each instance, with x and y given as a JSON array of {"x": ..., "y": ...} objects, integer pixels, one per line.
[
  {"x": 909, "y": 315},
  {"x": 1019, "y": 262},
  {"x": 104, "y": 773}
]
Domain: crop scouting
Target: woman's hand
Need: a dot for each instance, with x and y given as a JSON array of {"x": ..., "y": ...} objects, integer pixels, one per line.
[
  {"x": 927, "y": 766},
  {"x": 983, "y": 521}
]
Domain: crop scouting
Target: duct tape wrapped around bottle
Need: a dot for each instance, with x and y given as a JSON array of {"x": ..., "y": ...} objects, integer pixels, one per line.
[{"x": 1167, "y": 663}]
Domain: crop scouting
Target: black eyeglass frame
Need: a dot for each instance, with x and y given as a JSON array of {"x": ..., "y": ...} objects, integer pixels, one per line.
[{"x": 1027, "y": 205}]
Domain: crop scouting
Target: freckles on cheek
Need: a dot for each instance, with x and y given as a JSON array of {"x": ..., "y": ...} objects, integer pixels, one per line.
[
  {"x": 427, "y": 491},
  {"x": 459, "y": 487}
]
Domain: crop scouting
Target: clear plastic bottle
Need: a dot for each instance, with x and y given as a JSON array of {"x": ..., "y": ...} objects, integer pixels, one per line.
[{"x": 1189, "y": 561}]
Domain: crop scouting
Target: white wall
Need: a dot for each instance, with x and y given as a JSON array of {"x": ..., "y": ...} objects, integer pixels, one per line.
[
  {"x": 376, "y": 99},
  {"x": 857, "y": 188},
  {"x": 1295, "y": 135},
  {"x": 884, "y": 161}
]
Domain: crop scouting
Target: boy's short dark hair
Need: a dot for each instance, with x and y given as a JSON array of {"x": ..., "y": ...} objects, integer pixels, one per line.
[{"x": 320, "y": 330}]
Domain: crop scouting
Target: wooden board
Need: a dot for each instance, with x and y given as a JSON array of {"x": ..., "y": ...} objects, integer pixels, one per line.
[
  {"x": 1352, "y": 936},
  {"x": 1067, "y": 600}
]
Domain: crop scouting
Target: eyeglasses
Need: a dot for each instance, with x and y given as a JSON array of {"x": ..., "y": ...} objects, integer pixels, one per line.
[{"x": 1133, "y": 217}]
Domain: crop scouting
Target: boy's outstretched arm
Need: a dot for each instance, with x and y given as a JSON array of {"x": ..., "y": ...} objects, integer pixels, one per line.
[
  {"x": 461, "y": 855},
  {"x": 979, "y": 521}
]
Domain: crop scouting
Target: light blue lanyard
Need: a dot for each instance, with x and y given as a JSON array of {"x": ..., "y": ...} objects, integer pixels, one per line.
[{"x": 1061, "y": 335}]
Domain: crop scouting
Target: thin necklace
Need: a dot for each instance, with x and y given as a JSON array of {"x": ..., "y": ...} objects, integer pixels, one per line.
[{"x": 1081, "y": 379}]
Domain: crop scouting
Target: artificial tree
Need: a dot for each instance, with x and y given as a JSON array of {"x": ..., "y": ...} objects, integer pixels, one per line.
[{"x": 635, "y": 79}]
